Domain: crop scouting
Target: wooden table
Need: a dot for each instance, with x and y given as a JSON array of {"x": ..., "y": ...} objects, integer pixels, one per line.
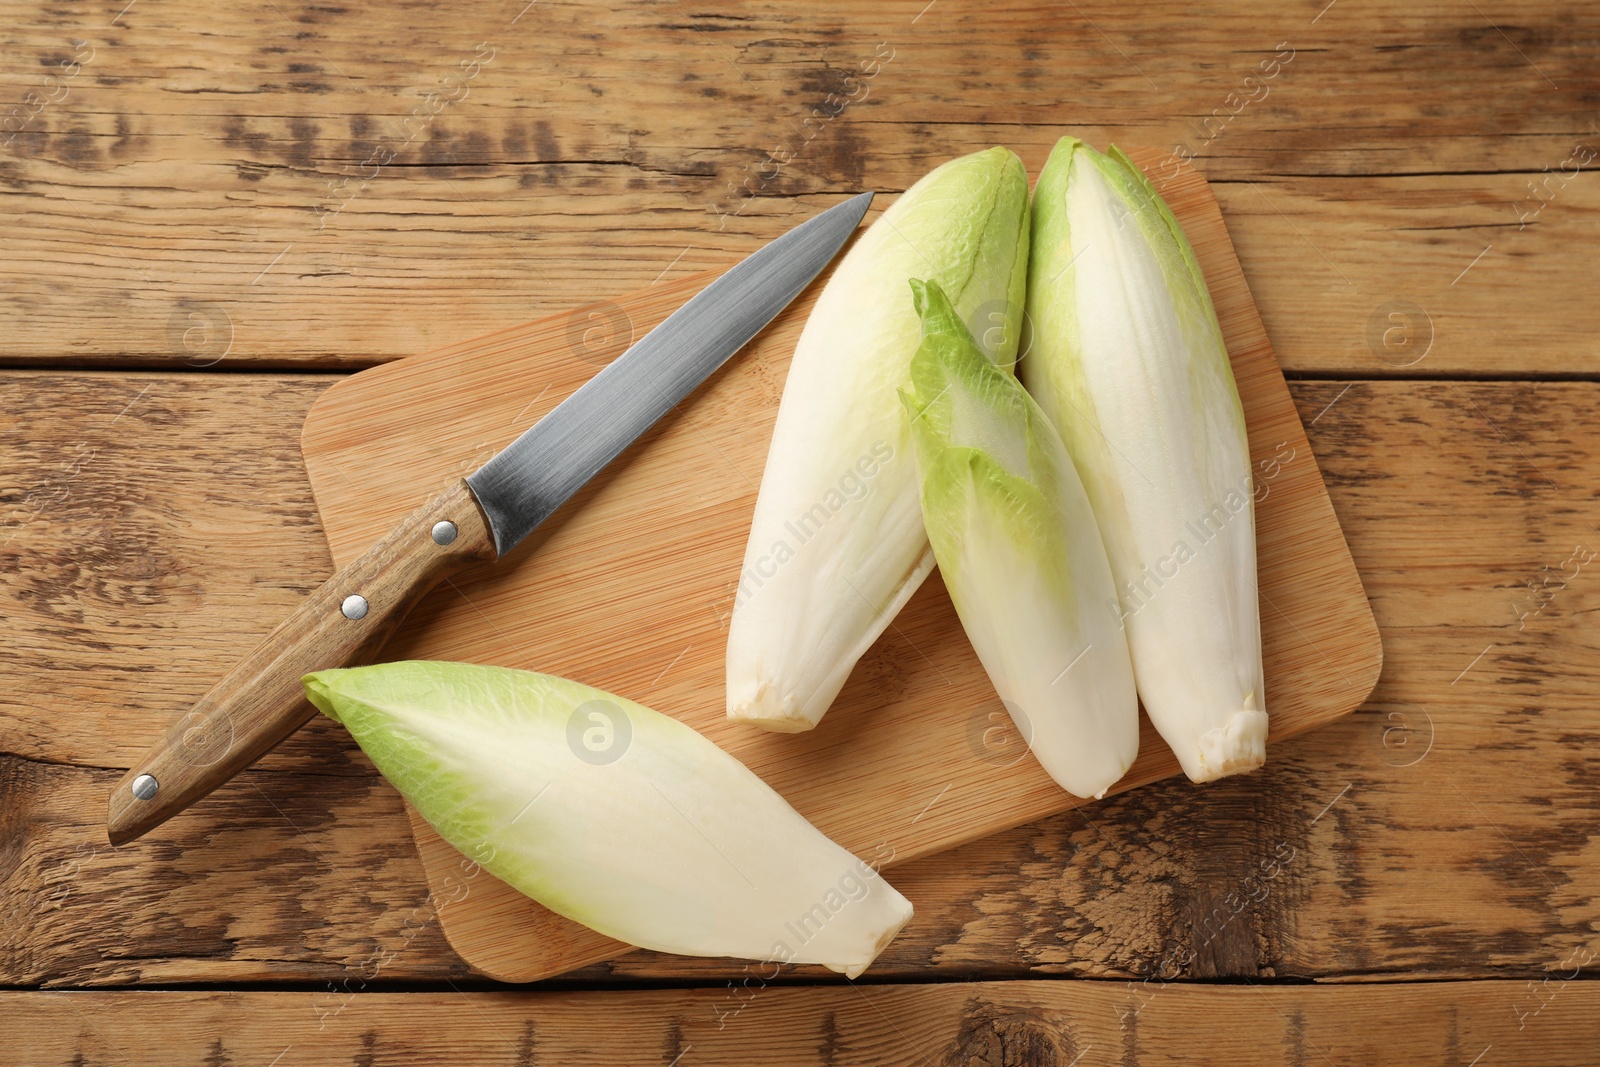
[{"x": 214, "y": 210}]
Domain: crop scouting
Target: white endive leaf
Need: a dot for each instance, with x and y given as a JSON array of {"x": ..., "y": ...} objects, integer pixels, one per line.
[
  {"x": 837, "y": 546},
  {"x": 1021, "y": 555},
  {"x": 1129, "y": 363},
  {"x": 613, "y": 815}
]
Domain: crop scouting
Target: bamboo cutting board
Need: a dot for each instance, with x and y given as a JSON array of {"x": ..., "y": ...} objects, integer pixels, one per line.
[{"x": 628, "y": 587}]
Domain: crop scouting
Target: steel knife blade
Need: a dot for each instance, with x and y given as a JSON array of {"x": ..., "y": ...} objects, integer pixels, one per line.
[
  {"x": 480, "y": 518},
  {"x": 537, "y": 472}
]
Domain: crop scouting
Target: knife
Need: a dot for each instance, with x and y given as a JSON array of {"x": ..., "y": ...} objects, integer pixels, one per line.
[{"x": 479, "y": 518}]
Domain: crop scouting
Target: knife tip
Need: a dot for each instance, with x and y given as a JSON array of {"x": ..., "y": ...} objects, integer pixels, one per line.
[{"x": 854, "y": 209}]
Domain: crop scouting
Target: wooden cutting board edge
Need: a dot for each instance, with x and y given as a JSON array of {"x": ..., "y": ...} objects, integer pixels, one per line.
[{"x": 451, "y": 876}]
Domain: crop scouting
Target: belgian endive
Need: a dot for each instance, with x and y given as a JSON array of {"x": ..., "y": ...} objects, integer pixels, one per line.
[
  {"x": 1128, "y": 361},
  {"x": 1020, "y": 553},
  {"x": 837, "y": 546},
  {"x": 613, "y": 815}
]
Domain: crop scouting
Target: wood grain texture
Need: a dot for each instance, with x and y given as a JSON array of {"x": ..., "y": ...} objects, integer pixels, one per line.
[
  {"x": 204, "y": 199},
  {"x": 261, "y": 700},
  {"x": 255, "y": 184},
  {"x": 632, "y": 589},
  {"x": 1001, "y": 1023},
  {"x": 1460, "y": 843}
]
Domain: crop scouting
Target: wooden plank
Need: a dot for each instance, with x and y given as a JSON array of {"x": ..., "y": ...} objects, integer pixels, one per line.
[
  {"x": 632, "y": 589},
  {"x": 152, "y": 528},
  {"x": 1037, "y": 1022},
  {"x": 310, "y": 876},
  {"x": 1416, "y": 277},
  {"x": 144, "y": 576},
  {"x": 120, "y": 491},
  {"x": 249, "y": 184}
]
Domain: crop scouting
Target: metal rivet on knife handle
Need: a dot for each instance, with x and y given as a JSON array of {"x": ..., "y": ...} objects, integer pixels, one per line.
[
  {"x": 144, "y": 787},
  {"x": 444, "y": 532},
  {"x": 354, "y": 606}
]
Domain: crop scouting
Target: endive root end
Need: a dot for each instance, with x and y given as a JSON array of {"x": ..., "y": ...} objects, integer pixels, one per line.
[
  {"x": 770, "y": 712},
  {"x": 1239, "y": 746},
  {"x": 855, "y": 970}
]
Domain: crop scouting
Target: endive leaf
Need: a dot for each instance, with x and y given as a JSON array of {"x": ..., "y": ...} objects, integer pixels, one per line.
[
  {"x": 1021, "y": 555},
  {"x": 836, "y": 545},
  {"x": 1128, "y": 361},
  {"x": 611, "y": 814}
]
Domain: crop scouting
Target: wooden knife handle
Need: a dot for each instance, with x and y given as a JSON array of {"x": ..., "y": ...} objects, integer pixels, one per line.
[{"x": 261, "y": 701}]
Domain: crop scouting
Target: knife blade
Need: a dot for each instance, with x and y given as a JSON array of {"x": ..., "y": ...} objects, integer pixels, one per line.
[
  {"x": 553, "y": 459},
  {"x": 480, "y": 518}
]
